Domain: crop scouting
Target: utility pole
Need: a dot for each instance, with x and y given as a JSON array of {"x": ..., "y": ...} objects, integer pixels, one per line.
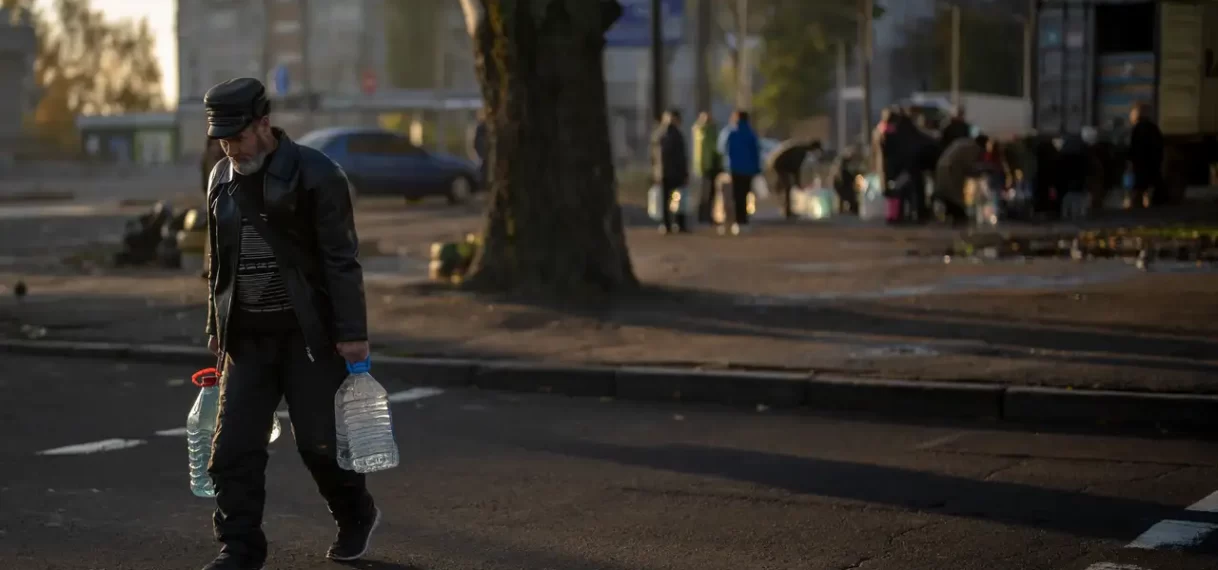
[
  {"x": 702, "y": 29},
  {"x": 841, "y": 100},
  {"x": 1029, "y": 46},
  {"x": 657, "y": 60},
  {"x": 955, "y": 10},
  {"x": 744, "y": 76},
  {"x": 866, "y": 12}
]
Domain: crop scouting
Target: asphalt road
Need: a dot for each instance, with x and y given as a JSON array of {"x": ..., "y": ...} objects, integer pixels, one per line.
[{"x": 497, "y": 481}]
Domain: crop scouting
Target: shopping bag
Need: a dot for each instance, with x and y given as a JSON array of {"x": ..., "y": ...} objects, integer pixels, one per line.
[{"x": 655, "y": 203}]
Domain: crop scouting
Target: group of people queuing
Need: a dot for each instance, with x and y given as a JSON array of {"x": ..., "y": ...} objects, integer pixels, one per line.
[
  {"x": 1052, "y": 170},
  {"x": 734, "y": 150}
]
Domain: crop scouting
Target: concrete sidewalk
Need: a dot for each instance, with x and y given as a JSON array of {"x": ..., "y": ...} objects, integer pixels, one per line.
[{"x": 845, "y": 311}]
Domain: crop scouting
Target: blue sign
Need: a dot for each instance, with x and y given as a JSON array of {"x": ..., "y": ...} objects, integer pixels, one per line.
[
  {"x": 282, "y": 82},
  {"x": 633, "y": 29}
]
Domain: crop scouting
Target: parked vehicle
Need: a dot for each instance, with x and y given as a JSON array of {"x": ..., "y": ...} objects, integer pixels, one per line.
[
  {"x": 384, "y": 163},
  {"x": 997, "y": 116}
]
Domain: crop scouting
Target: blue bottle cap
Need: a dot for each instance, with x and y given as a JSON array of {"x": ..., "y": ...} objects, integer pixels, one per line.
[{"x": 361, "y": 367}]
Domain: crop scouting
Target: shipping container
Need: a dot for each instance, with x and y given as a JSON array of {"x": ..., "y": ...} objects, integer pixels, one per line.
[{"x": 1097, "y": 58}]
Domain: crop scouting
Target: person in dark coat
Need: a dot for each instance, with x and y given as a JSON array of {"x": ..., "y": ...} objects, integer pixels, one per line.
[
  {"x": 906, "y": 150},
  {"x": 786, "y": 161},
  {"x": 670, "y": 167},
  {"x": 1146, "y": 158},
  {"x": 479, "y": 147},
  {"x": 956, "y": 129},
  {"x": 1045, "y": 195},
  {"x": 842, "y": 173}
]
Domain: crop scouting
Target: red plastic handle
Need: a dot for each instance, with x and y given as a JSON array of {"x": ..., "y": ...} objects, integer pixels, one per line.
[{"x": 205, "y": 378}]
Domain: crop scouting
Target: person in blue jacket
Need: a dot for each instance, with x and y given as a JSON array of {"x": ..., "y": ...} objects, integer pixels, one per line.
[{"x": 742, "y": 151}]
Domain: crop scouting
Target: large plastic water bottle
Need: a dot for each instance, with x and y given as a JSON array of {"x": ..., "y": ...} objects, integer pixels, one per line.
[
  {"x": 201, "y": 426},
  {"x": 363, "y": 424}
]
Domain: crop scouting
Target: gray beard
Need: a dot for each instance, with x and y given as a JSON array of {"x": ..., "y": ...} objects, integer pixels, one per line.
[{"x": 250, "y": 166}]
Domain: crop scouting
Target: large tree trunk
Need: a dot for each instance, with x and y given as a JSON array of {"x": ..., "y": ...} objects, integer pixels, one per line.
[{"x": 553, "y": 224}]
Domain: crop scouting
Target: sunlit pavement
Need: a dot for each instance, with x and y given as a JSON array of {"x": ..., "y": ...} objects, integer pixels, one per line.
[{"x": 499, "y": 480}]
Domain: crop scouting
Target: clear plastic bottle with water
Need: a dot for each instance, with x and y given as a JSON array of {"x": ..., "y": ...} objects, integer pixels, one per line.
[
  {"x": 201, "y": 426},
  {"x": 363, "y": 424}
]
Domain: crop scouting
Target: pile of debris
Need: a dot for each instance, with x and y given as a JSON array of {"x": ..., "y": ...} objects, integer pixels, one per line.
[
  {"x": 451, "y": 260},
  {"x": 1141, "y": 245},
  {"x": 159, "y": 237}
]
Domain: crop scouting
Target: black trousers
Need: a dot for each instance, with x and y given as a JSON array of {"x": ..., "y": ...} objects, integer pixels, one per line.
[
  {"x": 706, "y": 204},
  {"x": 787, "y": 181},
  {"x": 262, "y": 367},
  {"x": 742, "y": 184}
]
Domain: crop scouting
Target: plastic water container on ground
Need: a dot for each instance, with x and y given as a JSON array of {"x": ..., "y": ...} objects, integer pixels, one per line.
[
  {"x": 683, "y": 201},
  {"x": 822, "y": 203},
  {"x": 201, "y": 427},
  {"x": 872, "y": 205},
  {"x": 985, "y": 203},
  {"x": 363, "y": 423}
]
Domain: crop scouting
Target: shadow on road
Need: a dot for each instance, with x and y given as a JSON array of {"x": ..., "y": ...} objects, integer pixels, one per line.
[
  {"x": 708, "y": 312},
  {"x": 1075, "y": 513}
]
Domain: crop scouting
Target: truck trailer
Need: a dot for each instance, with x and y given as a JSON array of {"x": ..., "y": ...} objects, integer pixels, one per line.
[{"x": 1097, "y": 58}]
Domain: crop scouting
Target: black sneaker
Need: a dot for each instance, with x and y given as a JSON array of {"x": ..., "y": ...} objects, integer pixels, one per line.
[
  {"x": 353, "y": 539},
  {"x": 226, "y": 561}
]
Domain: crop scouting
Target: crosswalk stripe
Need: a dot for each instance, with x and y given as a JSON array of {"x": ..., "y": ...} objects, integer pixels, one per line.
[
  {"x": 1206, "y": 505},
  {"x": 1173, "y": 534},
  {"x": 1111, "y": 566}
]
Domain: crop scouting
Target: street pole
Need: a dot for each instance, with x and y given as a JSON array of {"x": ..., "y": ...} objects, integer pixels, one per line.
[
  {"x": 841, "y": 100},
  {"x": 866, "y": 9},
  {"x": 657, "y": 60},
  {"x": 955, "y": 55},
  {"x": 744, "y": 77},
  {"x": 1029, "y": 37},
  {"x": 702, "y": 27}
]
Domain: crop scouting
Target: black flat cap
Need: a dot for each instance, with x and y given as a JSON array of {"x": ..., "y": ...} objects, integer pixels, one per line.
[{"x": 233, "y": 105}]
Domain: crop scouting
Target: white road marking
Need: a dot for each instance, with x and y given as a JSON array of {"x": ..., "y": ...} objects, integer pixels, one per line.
[
  {"x": 1206, "y": 505},
  {"x": 94, "y": 447},
  {"x": 1111, "y": 566},
  {"x": 1173, "y": 534},
  {"x": 414, "y": 394},
  {"x": 117, "y": 444}
]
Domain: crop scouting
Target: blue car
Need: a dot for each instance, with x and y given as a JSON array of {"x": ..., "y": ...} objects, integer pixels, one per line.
[{"x": 384, "y": 163}]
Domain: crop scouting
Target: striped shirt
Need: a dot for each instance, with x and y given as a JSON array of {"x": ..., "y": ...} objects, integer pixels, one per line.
[{"x": 260, "y": 288}]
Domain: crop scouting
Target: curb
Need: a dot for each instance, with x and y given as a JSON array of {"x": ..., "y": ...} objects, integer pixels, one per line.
[{"x": 892, "y": 398}]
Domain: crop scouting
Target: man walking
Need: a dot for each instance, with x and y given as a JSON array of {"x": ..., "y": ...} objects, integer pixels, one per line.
[
  {"x": 670, "y": 169},
  {"x": 285, "y": 314},
  {"x": 743, "y": 151}
]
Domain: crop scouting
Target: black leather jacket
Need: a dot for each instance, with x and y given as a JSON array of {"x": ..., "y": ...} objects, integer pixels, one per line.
[{"x": 307, "y": 203}]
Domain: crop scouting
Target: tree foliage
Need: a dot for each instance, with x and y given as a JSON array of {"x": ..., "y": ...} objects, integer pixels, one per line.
[
  {"x": 991, "y": 48},
  {"x": 799, "y": 39},
  {"x": 89, "y": 65}
]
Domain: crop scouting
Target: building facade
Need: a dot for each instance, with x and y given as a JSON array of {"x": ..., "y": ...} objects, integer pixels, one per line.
[
  {"x": 18, "y": 48},
  {"x": 327, "y": 62}
]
